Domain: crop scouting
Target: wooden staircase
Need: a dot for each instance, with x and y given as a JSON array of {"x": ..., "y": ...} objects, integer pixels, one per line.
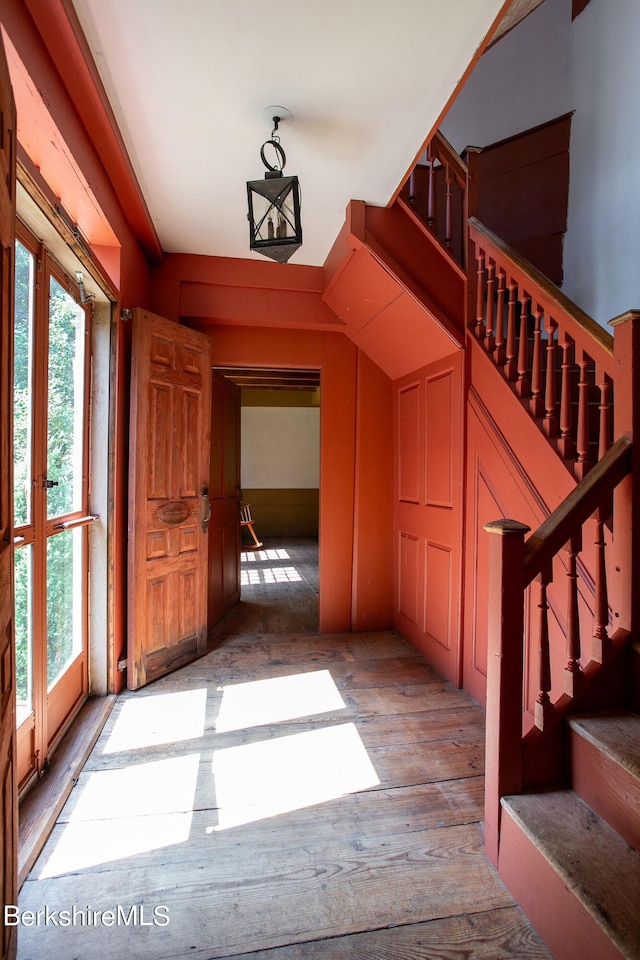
[
  {"x": 581, "y": 888},
  {"x": 562, "y": 806}
]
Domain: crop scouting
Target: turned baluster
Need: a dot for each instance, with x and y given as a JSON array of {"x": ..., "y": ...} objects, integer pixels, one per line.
[
  {"x": 448, "y": 229},
  {"x": 431, "y": 189},
  {"x": 582, "y": 441},
  {"x": 550, "y": 415},
  {"x": 522, "y": 383},
  {"x": 536, "y": 402},
  {"x": 604, "y": 424},
  {"x": 566, "y": 446},
  {"x": 489, "y": 341},
  {"x": 480, "y": 295},
  {"x": 543, "y": 707},
  {"x": 498, "y": 352},
  {"x": 510, "y": 353},
  {"x": 601, "y": 642},
  {"x": 412, "y": 187},
  {"x": 573, "y": 675}
]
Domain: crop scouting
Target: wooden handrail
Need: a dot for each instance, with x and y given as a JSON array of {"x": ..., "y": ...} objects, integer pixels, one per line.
[
  {"x": 576, "y": 508},
  {"x": 575, "y": 320}
]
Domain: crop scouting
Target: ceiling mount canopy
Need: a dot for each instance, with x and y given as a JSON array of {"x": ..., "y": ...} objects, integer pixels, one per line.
[{"x": 275, "y": 229}]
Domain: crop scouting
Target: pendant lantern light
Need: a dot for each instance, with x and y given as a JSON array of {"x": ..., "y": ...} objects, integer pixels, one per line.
[{"x": 274, "y": 204}]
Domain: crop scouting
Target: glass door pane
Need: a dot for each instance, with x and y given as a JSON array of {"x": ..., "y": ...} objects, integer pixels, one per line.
[
  {"x": 65, "y": 413},
  {"x": 64, "y": 601},
  {"x": 23, "y": 567},
  {"x": 23, "y": 384}
]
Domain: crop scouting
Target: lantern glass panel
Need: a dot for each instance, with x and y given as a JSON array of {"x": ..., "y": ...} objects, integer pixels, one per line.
[{"x": 275, "y": 220}]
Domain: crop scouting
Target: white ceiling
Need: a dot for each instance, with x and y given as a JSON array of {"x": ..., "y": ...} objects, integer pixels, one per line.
[{"x": 188, "y": 81}]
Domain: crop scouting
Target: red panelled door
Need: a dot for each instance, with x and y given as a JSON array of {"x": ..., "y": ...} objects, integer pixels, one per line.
[
  {"x": 9, "y": 870},
  {"x": 428, "y": 511},
  {"x": 169, "y": 507}
]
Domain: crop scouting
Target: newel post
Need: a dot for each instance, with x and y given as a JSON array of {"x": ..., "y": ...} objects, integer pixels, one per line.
[
  {"x": 503, "y": 760},
  {"x": 626, "y": 498}
]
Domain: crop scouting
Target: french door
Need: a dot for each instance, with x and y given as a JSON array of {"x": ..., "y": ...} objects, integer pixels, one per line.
[{"x": 51, "y": 373}]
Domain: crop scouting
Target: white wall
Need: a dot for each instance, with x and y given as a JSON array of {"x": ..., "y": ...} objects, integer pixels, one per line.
[
  {"x": 280, "y": 448},
  {"x": 549, "y": 66},
  {"x": 522, "y": 81},
  {"x": 602, "y": 248}
]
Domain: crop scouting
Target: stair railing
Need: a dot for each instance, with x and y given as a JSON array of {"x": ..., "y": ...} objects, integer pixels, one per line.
[
  {"x": 515, "y": 565},
  {"x": 563, "y": 366},
  {"x": 440, "y": 191},
  {"x": 558, "y": 360}
]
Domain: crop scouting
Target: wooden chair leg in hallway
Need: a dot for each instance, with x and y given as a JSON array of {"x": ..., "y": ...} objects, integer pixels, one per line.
[{"x": 246, "y": 520}]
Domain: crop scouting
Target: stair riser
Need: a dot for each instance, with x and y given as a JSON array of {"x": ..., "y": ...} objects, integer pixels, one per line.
[
  {"x": 607, "y": 788},
  {"x": 567, "y": 929}
]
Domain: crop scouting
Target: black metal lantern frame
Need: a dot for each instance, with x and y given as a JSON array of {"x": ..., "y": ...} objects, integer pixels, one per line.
[{"x": 275, "y": 229}]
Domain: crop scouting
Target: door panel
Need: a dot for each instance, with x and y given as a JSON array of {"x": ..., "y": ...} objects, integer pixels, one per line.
[
  {"x": 168, "y": 485},
  {"x": 224, "y": 527},
  {"x": 9, "y": 845}
]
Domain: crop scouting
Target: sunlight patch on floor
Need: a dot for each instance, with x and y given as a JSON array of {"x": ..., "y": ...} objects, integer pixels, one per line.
[
  {"x": 140, "y": 789},
  {"x": 259, "y": 702},
  {"x": 83, "y": 845},
  {"x": 157, "y": 719},
  {"x": 266, "y": 779},
  {"x": 255, "y": 555},
  {"x": 269, "y": 575}
]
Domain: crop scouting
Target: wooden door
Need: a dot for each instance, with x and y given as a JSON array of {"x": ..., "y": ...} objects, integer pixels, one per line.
[
  {"x": 169, "y": 506},
  {"x": 9, "y": 872},
  {"x": 224, "y": 528}
]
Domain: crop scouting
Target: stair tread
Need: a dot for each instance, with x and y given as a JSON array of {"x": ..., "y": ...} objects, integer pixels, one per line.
[
  {"x": 617, "y": 735},
  {"x": 601, "y": 869}
]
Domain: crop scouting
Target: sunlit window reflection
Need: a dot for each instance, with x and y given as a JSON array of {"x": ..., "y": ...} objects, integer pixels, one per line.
[
  {"x": 161, "y": 718},
  {"x": 270, "y": 575},
  {"x": 273, "y": 777},
  {"x": 82, "y": 845},
  {"x": 259, "y": 702},
  {"x": 255, "y": 555},
  {"x": 140, "y": 789}
]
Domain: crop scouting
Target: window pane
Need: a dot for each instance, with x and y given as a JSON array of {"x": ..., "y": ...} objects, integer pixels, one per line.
[
  {"x": 23, "y": 560},
  {"x": 22, "y": 384},
  {"x": 64, "y": 601},
  {"x": 66, "y": 401}
]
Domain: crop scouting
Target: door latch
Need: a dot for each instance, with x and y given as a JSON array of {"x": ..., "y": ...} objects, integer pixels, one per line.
[
  {"x": 48, "y": 484},
  {"x": 205, "y": 508}
]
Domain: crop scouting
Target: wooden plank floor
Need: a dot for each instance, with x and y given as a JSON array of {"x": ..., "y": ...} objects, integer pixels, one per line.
[
  {"x": 279, "y": 589},
  {"x": 289, "y": 796}
]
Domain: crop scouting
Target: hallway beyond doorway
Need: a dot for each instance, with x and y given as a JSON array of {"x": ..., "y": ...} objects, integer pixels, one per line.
[{"x": 278, "y": 591}]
